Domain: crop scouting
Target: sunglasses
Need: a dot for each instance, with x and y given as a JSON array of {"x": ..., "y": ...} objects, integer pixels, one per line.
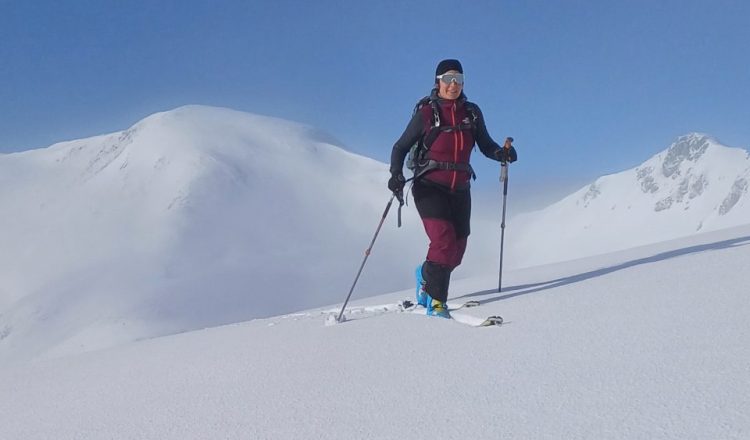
[{"x": 448, "y": 78}]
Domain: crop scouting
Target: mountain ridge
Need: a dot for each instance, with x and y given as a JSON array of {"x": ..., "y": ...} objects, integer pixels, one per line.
[{"x": 695, "y": 184}]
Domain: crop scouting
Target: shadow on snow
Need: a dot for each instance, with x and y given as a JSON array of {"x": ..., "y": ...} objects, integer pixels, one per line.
[{"x": 526, "y": 289}]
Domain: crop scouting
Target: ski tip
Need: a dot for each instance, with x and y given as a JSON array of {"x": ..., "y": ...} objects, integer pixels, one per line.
[{"x": 492, "y": 320}]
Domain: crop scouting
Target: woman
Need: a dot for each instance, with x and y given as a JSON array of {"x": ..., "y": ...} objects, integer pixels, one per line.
[{"x": 446, "y": 131}]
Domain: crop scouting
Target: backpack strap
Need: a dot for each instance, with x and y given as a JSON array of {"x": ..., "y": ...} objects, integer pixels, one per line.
[
  {"x": 434, "y": 130},
  {"x": 417, "y": 161},
  {"x": 435, "y": 127},
  {"x": 429, "y": 165},
  {"x": 473, "y": 111},
  {"x": 426, "y": 165}
]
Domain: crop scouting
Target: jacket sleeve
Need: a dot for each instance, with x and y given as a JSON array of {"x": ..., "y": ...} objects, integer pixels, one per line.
[
  {"x": 487, "y": 145},
  {"x": 401, "y": 148}
]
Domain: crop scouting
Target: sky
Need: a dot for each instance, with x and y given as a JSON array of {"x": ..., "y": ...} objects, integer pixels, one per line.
[{"x": 586, "y": 88}]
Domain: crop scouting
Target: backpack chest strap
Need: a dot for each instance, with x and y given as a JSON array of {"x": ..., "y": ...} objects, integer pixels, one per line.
[
  {"x": 460, "y": 127},
  {"x": 428, "y": 165}
]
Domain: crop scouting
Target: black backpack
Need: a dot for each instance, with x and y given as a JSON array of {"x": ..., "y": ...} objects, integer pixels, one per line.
[{"x": 416, "y": 159}]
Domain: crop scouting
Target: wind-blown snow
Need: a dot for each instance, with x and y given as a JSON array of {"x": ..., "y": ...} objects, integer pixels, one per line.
[{"x": 650, "y": 343}]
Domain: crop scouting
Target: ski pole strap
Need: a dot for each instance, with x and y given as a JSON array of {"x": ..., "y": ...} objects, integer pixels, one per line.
[{"x": 400, "y": 197}]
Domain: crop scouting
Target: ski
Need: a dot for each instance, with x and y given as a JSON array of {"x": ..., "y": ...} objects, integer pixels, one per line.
[
  {"x": 475, "y": 321},
  {"x": 409, "y": 306},
  {"x": 489, "y": 321},
  {"x": 462, "y": 318}
]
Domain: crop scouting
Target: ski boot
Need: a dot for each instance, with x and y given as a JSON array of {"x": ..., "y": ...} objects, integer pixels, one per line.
[
  {"x": 438, "y": 308},
  {"x": 422, "y": 297}
]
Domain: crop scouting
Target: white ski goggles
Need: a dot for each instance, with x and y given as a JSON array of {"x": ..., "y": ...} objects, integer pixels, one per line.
[{"x": 448, "y": 78}]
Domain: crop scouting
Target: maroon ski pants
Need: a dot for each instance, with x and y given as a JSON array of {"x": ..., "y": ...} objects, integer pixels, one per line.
[{"x": 446, "y": 217}]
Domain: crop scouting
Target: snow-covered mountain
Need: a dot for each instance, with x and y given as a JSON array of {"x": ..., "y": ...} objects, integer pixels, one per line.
[
  {"x": 693, "y": 186},
  {"x": 204, "y": 216},
  {"x": 191, "y": 218}
]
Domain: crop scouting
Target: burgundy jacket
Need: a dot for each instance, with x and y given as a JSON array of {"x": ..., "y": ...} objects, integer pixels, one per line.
[{"x": 451, "y": 147}]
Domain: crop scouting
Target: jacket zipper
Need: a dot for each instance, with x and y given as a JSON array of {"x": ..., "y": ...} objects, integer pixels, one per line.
[{"x": 455, "y": 146}]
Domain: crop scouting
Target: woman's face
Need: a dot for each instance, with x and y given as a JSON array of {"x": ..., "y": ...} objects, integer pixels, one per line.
[{"x": 452, "y": 89}]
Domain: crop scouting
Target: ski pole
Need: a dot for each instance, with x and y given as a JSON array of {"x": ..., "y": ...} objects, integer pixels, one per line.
[
  {"x": 367, "y": 254},
  {"x": 504, "y": 179}
]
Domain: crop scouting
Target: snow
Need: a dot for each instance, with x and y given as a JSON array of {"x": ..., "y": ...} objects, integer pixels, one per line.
[
  {"x": 203, "y": 216},
  {"x": 651, "y": 342},
  {"x": 167, "y": 281},
  {"x": 191, "y": 218},
  {"x": 695, "y": 185}
]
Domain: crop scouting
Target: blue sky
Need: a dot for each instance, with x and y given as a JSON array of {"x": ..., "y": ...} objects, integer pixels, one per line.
[{"x": 585, "y": 87}]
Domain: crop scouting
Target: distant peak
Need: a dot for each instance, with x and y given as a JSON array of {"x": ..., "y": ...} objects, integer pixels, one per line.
[
  {"x": 694, "y": 138},
  {"x": 689, "y": 147},
  {"x": 193, "y": 111},
  {"x": 221, "y": 119},
  {"x": 193, "y": 116}
]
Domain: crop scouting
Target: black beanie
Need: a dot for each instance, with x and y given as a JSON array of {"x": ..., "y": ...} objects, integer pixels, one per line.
[{"x": 447, "y": 65}]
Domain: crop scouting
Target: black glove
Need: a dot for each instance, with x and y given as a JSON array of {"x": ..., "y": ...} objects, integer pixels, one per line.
[
  {"x": 507, "y": 153},
  {"x": 396, "y": 183}
]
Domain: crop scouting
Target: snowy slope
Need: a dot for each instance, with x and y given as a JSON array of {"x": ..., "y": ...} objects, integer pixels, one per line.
[
  {"x": 191, "y": 218},
  {"x": 695, "y": 185},
  {"x": 204, "y": 216},
  {"x": 649, "y": 343}
]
